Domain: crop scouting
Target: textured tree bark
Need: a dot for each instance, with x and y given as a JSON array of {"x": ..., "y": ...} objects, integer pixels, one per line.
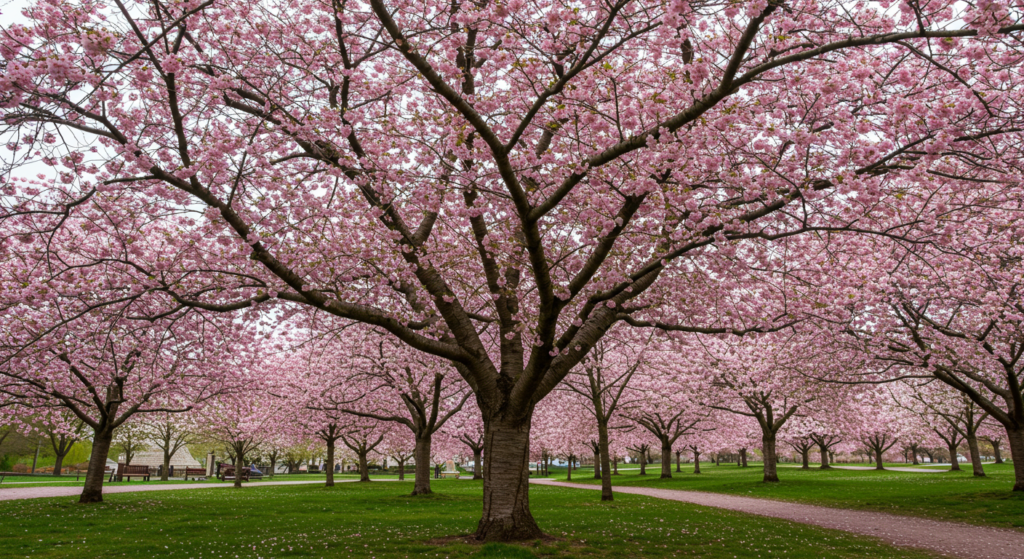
[
  {"x": 606, "y": 480},
  {"x": 743, "y": 456},
  {"x": 364, "y": 467},
  {"x": 597, "y": 464},
  {"x": 666, "y": 460},
  {"x": 422, "y": 481},
  {"x": 478, "y": 469},
  {"x": 568, "y": 475},
  {"x": 824, "y": 457},
  {"x": 878, "y": 459},
  {"x": 1015, "y": 439},
  {"x": 329, "y": 466},
  {"x": 913, "y": 451},
  {"x": 972, "y": 445},
  {"x": 678, "y": 452},
  {"x": 401, "y": 469},
  {"x": 995, "y": 451},
  {"x": 165, "y": 470},
  {"x": 771, "y": 473},
  {"x": 92, "y": 492},
  {"x": 806, "y": 459},
  {"x": 954, "y": 464},
  {"x": 506, "y": 513},
  {"x": 643, "y": 463},
  {"x": 239, "y": 462},
  {"x": 696, "y": 462}
]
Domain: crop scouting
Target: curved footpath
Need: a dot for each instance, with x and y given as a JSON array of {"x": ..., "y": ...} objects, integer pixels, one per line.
[{"x": 948, "y": 538}]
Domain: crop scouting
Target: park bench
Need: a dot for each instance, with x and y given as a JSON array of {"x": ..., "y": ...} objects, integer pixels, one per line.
[
  {"x": 195, "y": 473},
  {"x": 127, "y": 471},
  {"x": 447, "y": 474}
]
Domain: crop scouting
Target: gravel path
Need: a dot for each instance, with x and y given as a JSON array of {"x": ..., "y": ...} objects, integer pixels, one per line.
[
  {"x": 13, "y": 493},
  {"x": 947, "y": 538}
]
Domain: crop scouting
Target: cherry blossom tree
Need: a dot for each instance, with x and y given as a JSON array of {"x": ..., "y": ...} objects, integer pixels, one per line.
[
  {"x": 953, "y": 416},
  {"x": 171, "y": 433},
  {"x": 243, "y": 420},
  {"x": 950, "y": 310},
  {"x": 63, "y": 429},
  {"x": 468, "y": 427},
  {"x": 105, "y": 370},
  {"x": 672, "y": 404},
  {"x": 362, "y": 436},
  {"x": 498, "y": 184},
  {"x": 384, "y": 377},
  {"x": 602, "y": 379},
  {"x": 766, "y": 379}
]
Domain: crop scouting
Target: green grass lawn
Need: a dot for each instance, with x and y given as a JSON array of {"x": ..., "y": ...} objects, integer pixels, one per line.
[
  {"x": 947, "y": 495},
  {"x": 380, "y": 520},
  {"x": 66, "y": 480}
]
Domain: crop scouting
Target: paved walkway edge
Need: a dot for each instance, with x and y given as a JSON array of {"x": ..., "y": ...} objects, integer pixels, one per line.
[{"x": 947, "y": 538}]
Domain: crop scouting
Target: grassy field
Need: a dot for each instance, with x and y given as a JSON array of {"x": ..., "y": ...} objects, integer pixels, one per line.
[
  {"x": 947, "y": 495},
  {"x": 380, "y": 520},
  {"x": 66, "y": 480}
]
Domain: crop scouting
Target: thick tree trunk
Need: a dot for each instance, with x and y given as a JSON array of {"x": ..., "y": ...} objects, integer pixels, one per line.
[
  {"x": 401, "y": 469},
  {"x": 824, "y": 457},
  {"x": 1015, "y": 439},
  {"x": 59, "y": 464},
  {"x": 913, "y": 451},
  {"x": 678, "y": 452},
  {"x": 597, "y": 464},
  {"x": 422, "y": 481},
  {"x": 743, "y": 456},
  {"x": 972, "y": 445},
  {"x": 165, "y": 470},
  {"x": 615, "y": 466},
  {"x": 568, "y": 474},
  {"x": 878, "y": 459},
  {"x": 606, "y": 480},
  {"x": 364, "y": 467},
  {"x": 506, "y": 514},
  {"x": 643, "y": 463},
  {"x": 771, "y": 474},
  {"x": 329, "y": 466},
  {"x": 666, "y": 460},
  {"x": 804, "y": 454},
  {"x": 996, "y": 453},
  {"x": 238, "y": 469},
  {"x": 954, "y": 464},
  {"x": 92, "y": 492},
  {"x": 478, "y": 469},
  {"x": 696, "y": 462}
]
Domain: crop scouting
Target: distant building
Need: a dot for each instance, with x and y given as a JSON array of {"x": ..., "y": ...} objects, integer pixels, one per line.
[{"x": 155, "y": 458}]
